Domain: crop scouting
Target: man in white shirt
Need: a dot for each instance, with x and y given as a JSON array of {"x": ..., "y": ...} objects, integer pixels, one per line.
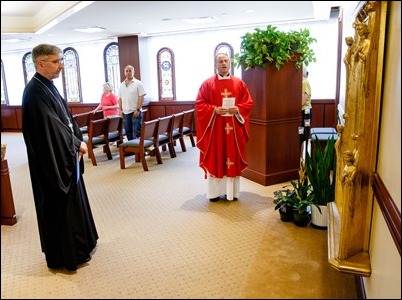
[{"x": 131, "y": 99}]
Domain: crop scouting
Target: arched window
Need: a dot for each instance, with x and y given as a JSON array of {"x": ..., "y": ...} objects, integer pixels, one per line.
[
  {"x": 4, "y": 94},
  {"x": 71, "y": 76},
  {"x": 166, "y": 74},
  {"x": 112, "y": 65},
  {"x": 28, "y": 67},
  {"x": 225, "y": 48}
]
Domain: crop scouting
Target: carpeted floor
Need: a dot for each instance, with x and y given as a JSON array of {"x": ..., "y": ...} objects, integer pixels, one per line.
[{"x": 161, "y": 238}]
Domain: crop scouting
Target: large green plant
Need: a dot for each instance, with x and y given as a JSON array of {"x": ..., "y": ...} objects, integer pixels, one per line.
[
  {"x": 272, "y": 45},
  {"x": 321, "y": 171}
]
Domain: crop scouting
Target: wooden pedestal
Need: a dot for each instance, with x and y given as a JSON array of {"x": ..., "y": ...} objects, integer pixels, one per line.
[
  {"x": 273, "y": 150},
  {"x": 8, "y": 216}
]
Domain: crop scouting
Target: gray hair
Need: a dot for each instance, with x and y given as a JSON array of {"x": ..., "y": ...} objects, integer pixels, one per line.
[
  {"x": 44, "y": 50},
  {"x": 108, "y": 85}
]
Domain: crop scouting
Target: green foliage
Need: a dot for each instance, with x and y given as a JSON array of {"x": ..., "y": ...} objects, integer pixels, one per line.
[
  {"x": 272, "y": 45},
  {"x": 319, "y": 167},
  {"x": 300, "y": 197}
]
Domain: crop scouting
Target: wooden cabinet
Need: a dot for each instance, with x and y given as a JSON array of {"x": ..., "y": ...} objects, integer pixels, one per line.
[
  {"x": 8, "y": 216},
  {"x": 273, "y": 150}
]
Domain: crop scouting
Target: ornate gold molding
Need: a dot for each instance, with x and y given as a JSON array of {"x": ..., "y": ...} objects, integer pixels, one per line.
[{"x": 356, "y": 147}]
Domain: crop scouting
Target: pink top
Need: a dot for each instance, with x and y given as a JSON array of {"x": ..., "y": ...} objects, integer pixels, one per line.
[{"x": 109, "y": 100}]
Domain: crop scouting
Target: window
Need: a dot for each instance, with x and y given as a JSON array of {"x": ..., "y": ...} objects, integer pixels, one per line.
[
  {"x": 28, "y": 67},
  {"x": 228, "y": 49},
  {"x": 4, "y": 94},
  {"x": 166, "y": 75},
  {"x": 71, "y": 76},
  {"x": 112, "y": 65}
]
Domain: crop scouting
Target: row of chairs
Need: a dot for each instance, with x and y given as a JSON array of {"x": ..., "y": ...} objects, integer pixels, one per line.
[
  {"x": 158, "y": 133},
  {"x": 103, "y": 132}
]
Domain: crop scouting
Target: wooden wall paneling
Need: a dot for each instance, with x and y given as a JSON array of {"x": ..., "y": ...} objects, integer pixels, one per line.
[
  {"x": 8, "y": 118},
  {"x": 318, "y": 115}
]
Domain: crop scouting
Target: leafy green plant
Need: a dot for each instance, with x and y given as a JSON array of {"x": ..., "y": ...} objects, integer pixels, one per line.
[
  {"x": 272, "y": 45},
  {"x": 321, "y": 171},
  {"x": 300, "y": 197}
]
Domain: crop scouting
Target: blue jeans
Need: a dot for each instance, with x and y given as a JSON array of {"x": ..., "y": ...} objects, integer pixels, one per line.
[{"x": 132, "y": 125}]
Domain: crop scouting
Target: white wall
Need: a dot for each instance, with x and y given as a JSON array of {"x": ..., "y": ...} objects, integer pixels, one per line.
[
  {"x": 194, "y": 62},
  {"x": 385, "y": 280}
]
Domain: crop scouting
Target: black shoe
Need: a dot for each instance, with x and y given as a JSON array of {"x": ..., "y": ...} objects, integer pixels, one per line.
[
  {"x": 54, "y": 267},
  {"x": 216, "y": 199},
  {"x": 71, "y": 268}
]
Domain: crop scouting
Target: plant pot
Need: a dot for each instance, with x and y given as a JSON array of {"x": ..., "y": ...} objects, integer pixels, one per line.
[
  {"x": 302, "y": 219},
  {"x": 286, "y": 216},
  {"x": 319, "y": 219}
]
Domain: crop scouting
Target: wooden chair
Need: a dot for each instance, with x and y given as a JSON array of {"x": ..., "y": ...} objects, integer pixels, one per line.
[
  {"x": 145, "y": 143},
  {"x": 96, "y": 115},
  {"x": 188, "y": 124},
  {"x": 82, "y": 121},
  {"x": 98, "y": 131},
  {"x": 177, "y": 131},
  {"x": 165, "y": 128},
  {"x": 115, "y": 132}
]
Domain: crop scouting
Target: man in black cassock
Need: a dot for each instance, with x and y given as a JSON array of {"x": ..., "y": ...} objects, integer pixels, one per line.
[{"x": 54, "y": 146}]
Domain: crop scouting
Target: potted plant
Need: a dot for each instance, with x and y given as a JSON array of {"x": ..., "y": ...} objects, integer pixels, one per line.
[
  {"x": 284, "y": 201},
  {"x": 321, "y": 173},
  {"x": 272, "y": 45},
  {"x": 299, "y": 198}
]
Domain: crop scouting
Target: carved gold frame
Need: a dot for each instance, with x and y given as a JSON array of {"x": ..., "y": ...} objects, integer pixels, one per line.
[{"x": 356, "y": 147}]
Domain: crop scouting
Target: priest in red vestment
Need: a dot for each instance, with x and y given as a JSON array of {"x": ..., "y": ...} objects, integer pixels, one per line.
[{"x": 223, "y": 108}]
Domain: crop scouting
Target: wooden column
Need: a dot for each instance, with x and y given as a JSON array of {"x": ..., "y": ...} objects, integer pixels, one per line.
[
  {"x": 273, "y": 150},
  {"x": 8, "y": 216},
  {"x": 129, "y": 54}
]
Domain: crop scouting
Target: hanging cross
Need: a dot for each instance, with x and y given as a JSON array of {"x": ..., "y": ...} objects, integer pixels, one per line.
[
  {"x": 229, "y": 163},
  {"x": 228, "y": 128},
  {"x": 226, "y": 93}
]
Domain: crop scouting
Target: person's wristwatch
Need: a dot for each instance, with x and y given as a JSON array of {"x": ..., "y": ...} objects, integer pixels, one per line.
[{"x": 138, "y": 109}]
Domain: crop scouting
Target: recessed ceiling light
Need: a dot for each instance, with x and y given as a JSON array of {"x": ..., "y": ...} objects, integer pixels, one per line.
[
  {"x": 91, "y": 29},
  {"x": 202, "y": 20}
]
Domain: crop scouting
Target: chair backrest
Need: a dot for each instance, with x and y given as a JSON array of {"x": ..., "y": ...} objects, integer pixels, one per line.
[
  {"x": 82, "y": 121},
  {"x": 115, "y": 129},
  {"x": 165, "y": 128},
  {"x": 96, "y": 115},
  {"x": 178, "y": 123},
  {"x": 188, "y": 121},
  {"x": 149, "y": 132},
  {"x": 98, "y": 131}
]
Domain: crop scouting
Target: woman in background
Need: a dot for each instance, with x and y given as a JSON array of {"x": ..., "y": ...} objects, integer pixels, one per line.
[{"x": 109, "y": 103}]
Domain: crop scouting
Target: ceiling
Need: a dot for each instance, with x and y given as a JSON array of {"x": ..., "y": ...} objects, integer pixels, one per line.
[{"x": 24, "y": 24}]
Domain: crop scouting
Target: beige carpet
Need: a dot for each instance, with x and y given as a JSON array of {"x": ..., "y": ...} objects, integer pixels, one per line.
[{"x": 161, "y": 238}]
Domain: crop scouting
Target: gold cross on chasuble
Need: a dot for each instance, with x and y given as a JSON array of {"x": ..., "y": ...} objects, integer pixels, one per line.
[
  {"x": 226, "y": 93},
  {"x": 228, "y": 128},
  {"x": 229, "y": 163}
]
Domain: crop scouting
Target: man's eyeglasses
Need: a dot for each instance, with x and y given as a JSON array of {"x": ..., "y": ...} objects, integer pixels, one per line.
[{"x": 56, "y": 61}]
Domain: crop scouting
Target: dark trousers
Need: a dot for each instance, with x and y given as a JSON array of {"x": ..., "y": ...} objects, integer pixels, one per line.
[
  {"x": 132, "y": 125},
  {"x": 304, "y": 137}
]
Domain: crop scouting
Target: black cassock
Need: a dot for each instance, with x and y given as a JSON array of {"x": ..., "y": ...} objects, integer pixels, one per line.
[{"x": 66, "y": 226}]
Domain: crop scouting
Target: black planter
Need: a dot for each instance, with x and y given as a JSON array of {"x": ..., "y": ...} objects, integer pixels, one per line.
[
  {"x": 302, "y": 219},
  {"x": 286, "y": 216}
]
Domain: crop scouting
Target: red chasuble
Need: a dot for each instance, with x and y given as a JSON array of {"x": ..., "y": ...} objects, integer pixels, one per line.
[{"x": 222, "y": 139}]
